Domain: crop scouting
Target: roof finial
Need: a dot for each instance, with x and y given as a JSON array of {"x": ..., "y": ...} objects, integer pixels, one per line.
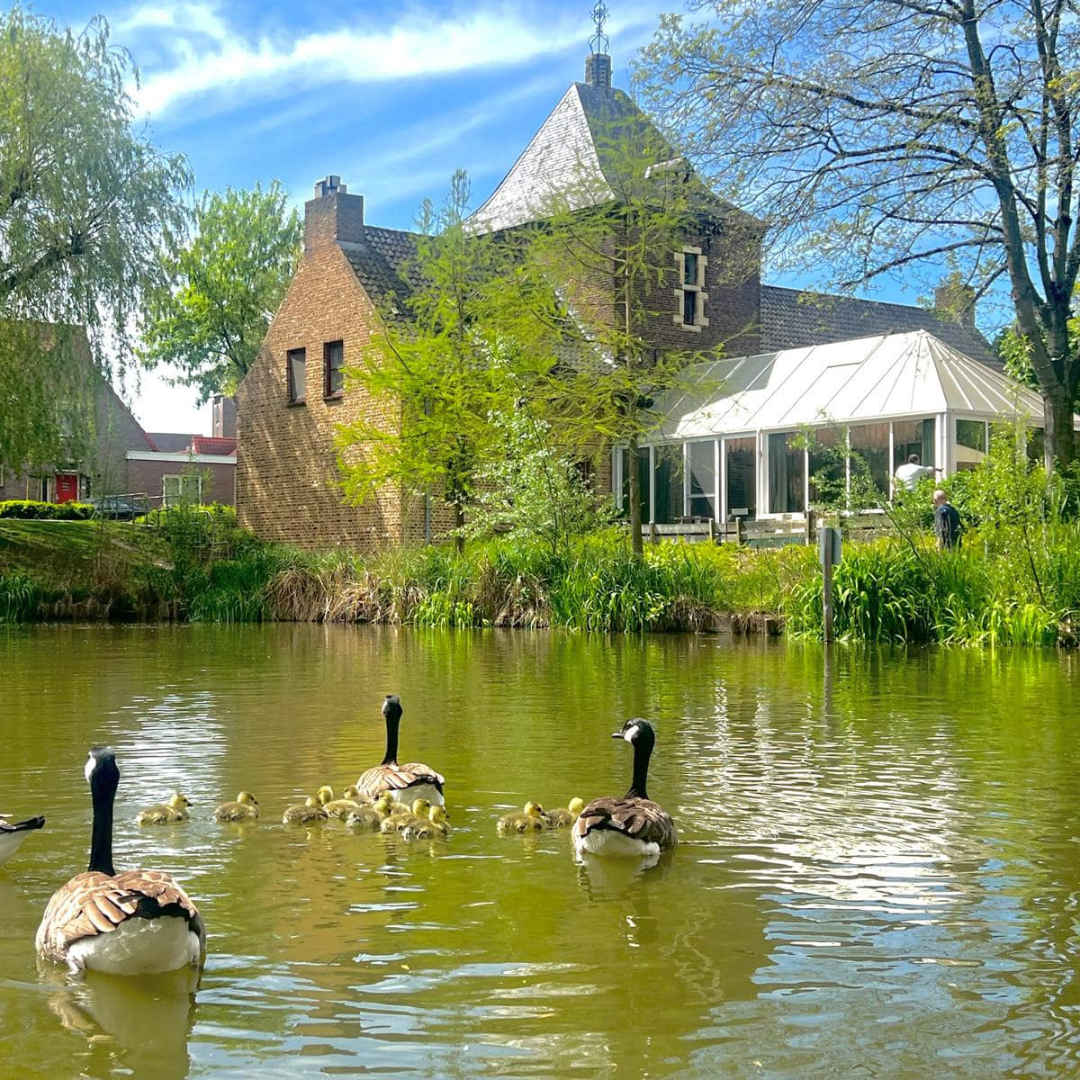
[{"x": 599, "y": 41}]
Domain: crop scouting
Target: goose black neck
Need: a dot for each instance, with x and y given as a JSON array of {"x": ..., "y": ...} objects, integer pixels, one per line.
[
  {"x": 642, "y": 753},
  {"x": 101, "y": 838},
  {"x": 392, "y": 723}
]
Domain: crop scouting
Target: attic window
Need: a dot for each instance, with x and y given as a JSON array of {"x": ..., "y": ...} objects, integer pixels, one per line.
[
  {"x": 296, "y": 370},
  {"x": 333, "y": 369},
  {"x": 690, "y": 265}
]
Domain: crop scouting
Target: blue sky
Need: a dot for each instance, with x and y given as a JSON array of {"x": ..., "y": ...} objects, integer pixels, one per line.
[{"x": 392, "y": 96}]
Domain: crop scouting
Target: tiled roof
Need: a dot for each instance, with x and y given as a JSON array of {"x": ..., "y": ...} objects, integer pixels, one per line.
[
  {"x": 381, "y": 260},
  {"x": 210, "y": 444},
  {"x": 574, "y": 160},
  {"x": 791, "y": 319}
]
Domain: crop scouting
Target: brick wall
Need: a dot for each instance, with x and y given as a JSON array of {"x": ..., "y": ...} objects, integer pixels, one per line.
[
  {"x": 286, "y": 459},
  {"x": 218, "y": 479}
]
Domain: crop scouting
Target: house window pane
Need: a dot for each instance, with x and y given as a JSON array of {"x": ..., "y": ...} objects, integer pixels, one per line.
[
  {"x": 690, "y": 268},
  {"x": 669, "y": 484},
  {"x": 828, "y": 475},
  {"x": 870, "y": 456},
  {"x": 787, "y": 475},
  {"x": 643, "y": 482},
  {"x": 970, "y": 444},
  {"x": 689, "y": 307},
  {"x": 334, "y": 360},
  {"x": 702, "y": 459},
  {"x": 297, "y": 374},
  {"x": 741, "y": 477},
  {"x": 914, "y": 437}
]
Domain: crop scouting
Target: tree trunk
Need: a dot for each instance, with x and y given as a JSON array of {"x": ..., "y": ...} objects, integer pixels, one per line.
[
  {"x": 459, "y": 524},
  {"x": 1060, "y": 437},
  {"x": 636, "y": 542}
]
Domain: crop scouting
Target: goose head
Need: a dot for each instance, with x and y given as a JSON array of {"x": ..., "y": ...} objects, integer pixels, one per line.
[
  {"x": 637, "y": 732},
  {"x": 101, "y": 771},
  {"x": 312, "y": 802},
  {"x": 534, "y": 810},
  {"x": 245, "y": 798},
  {"x": 325, "y": 794},
  {"x": 391, "y": 708},
  {"x": 439, "y": 815}
]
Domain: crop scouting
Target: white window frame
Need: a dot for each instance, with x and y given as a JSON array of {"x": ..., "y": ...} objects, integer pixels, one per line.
[{"x": 182, "y": 480}]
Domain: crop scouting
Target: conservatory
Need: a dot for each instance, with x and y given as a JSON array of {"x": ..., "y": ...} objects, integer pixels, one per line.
[{"x": 735, "y": 446}]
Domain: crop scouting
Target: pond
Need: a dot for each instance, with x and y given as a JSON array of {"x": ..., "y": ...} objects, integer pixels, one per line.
[{"x": 878, "y": 872}]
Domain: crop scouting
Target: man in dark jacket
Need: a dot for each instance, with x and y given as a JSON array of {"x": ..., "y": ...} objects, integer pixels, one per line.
[{"x": 946, "y": 521}]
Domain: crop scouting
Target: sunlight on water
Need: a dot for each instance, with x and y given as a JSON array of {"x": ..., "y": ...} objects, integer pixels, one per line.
[{"x": 877, "y": 872}]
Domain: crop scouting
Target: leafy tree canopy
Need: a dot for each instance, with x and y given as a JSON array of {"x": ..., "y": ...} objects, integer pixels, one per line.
[{"x": 222, "y": 288}]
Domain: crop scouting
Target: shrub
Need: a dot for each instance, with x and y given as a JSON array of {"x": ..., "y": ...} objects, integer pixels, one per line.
[{"x": 28, "y": 510}]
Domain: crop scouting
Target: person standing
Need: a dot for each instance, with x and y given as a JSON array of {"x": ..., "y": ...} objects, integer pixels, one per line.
[
  {"x": 946, "y": 522},
  {"x": 911, "y": 472}
]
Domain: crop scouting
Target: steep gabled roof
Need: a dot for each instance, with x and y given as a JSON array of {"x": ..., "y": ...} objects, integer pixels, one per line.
[
  {"x": 791, "y": 319},
  {"x": 573, "y": 160},
  {"x": 381, "y": 262}
]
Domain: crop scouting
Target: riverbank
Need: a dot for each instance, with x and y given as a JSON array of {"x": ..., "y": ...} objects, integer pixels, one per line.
[{"x": 890, "y": 589}]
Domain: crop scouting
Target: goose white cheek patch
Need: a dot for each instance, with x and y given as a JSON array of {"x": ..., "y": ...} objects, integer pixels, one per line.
[
  {"x": 630, "y": 733},
  {"x": 88, "y": 770}
]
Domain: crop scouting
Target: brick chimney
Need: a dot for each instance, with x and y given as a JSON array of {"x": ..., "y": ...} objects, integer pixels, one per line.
[
  {"x": 223, "y": 425},
  {"x": 954, "y": 301},
  {"x": 333, "y": 216}
]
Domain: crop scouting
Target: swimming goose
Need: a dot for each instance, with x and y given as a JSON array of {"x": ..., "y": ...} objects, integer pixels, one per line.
[
  {"x": 531, "y": 819},
  {"x": 137, "y": 922},
  {"x": 407, "y": 782},
  {"x": 245, "y": 808},
  {"x": 341, "y": 808},
  {"x": 563, "y": 819},
  {"x": 632, "y": 824},
  {"x": 371, "y": 816},
  {"x": 165, "y": 813},
  {"x": 305, "y": 813},
  {"x": 13, "y": 833}
]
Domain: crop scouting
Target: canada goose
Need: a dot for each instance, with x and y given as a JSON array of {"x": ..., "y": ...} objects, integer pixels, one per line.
[
  {"x": 305, "y": 813},
  {"x": 372, "y": 815},
  {"x": 632, "y": 824},
  {"x": 531, "y": 819},
  {"x": 563, "y": 819},
  {"x": 246, "y": 808},
  {"x": 341, "y": 808},
  {"x": 176, "y": 809},
  {"x": 403, "y": 816},
  {"x": 407, "y": 782},
  {"x": 137, "y": 922},
  {"x": 13, "y": 833}
]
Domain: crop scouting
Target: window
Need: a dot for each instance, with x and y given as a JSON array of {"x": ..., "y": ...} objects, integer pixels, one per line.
[
  {"x": 913, "y": 437},
  {"x": 741, "y": 457},
  {"x": 690, "y": 295},
  {"x": 333, "y": 369},
  {"x": 870, "y": 443},
  {"x": 787, "y": 474},
  {"x": 296, "y": 363},
  {"x": 668, "y": 481},
  {"x": 828, "y": 465},
  {"x": 701, "y": 466},
  {"x": 185, "y": 488},
  {"x": 970, "y": 444}
]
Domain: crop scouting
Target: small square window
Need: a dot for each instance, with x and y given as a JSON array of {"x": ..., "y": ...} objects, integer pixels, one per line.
[
  {"x": 296, "y": 362},
  {"x": 334, "y": 369}
]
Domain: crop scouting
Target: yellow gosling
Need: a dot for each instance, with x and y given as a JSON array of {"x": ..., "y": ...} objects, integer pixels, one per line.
[
  {"x": 563, "y": 819},
  {"x": 245, "y": 808},
  {"x": 325, "y": 794},
  {"x": 440, "y": 820},
  {"x": 341, "y": 808},
  {"x": 176, "y": 809},
  {"x": 370, "y": 817},
  {"x": 531, "y": 819},
  {"x": 306, "y": 813}
]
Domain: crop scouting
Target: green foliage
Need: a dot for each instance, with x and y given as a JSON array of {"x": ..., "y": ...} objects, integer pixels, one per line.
[
  {"x": 222, "y": 288},
  {"x": 84, "y": 204},
  {"x": 19, "y": 598},
  {"x": 28, "y": 510}
]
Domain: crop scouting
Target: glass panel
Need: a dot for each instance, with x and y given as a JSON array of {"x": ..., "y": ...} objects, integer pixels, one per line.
[
  {"x": 828, "y": 475},
  {"x": 870, "y": 453},
  {"x": 335, "y": 359},
  {"x": 191, "y": 488},
  {"x": 914, "y": 437},
  {"x": 669, "y": 484},
  {"x": 786, "y": 474},
  {"x": 702, "y": 456},
  {"x": 689, "y": 307},
  {"x": 970, "y": 444},
  {"x": 741, "y": 477},
  {"x": 643, "y": 482},
  {"x": 297, "y": 374},
  {"x": 690, "y": 268}
]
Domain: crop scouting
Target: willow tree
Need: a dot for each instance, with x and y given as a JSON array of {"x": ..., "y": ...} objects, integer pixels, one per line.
[
  {"x": 84, "y": 203},
  {"x": 877, "y": 135},
  {"x": 222, "y": 287}
]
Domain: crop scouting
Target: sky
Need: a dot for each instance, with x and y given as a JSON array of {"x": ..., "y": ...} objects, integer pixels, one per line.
[{"x": 391, "y": 96}]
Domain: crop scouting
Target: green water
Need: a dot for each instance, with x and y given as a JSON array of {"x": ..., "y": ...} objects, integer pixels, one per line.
[{"x": 878, "y": 874}]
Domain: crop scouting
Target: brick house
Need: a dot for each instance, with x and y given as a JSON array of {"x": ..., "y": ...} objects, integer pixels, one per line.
[{"x": 293, "y": 398}]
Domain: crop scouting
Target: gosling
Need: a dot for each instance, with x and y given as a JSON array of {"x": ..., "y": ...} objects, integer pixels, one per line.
[
  {"x": 306, "y": 813},
  {"x": 436, "y": 825},
  {"x": 341, "y": 808},
  {"x": 398, "y": 821},
  {"x": 563, "y": 819},
  {"x": 245, "y": 808},
  {"x": 531, "y": 819},
  {"x": 176, "y": 809},
  {"x": 371, "y": 816}
]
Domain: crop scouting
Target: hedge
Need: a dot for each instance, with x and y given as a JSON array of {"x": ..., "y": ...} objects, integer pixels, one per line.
[{"x": 27, "y": 509}]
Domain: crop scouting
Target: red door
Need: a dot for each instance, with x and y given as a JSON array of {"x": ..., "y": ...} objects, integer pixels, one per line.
[{"x": 67, "y": 487}]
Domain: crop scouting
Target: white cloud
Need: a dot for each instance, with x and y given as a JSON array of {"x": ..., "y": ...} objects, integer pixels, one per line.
[{"x": 210, "y": 55}]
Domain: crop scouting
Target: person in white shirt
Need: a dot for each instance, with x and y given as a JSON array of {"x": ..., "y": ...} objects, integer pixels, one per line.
[{"x": 911, "y": 472}]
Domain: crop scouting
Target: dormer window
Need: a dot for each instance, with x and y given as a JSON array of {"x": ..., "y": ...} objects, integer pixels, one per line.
[{"x": 690, "y": 264}]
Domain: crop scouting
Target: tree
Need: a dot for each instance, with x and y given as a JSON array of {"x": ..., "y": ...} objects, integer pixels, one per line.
[
  {"x": 450, "y": 360},
  {"x": 221, "y": 290},
  {"x": 84, "y": 203},
  {"x": 883, "y": 134}
]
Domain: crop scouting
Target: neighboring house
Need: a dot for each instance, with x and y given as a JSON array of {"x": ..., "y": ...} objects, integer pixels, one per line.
[{"x": 293, "y": 398}]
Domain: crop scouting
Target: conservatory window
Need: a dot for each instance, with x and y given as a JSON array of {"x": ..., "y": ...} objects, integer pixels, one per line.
[
  {"x": 741, "y": 464},
  {"x": 668, "y": 480},
  {"x": 701, "y": 469},
  {"x": 871, "y": 443},
  {"x": 970, "y": 444},
  {"x": 787, "y": 474},
  {"x": 828, "y": 471}
]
